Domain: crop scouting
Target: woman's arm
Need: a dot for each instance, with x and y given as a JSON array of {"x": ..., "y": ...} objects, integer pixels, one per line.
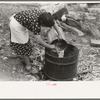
[
  {"x": 41, "y": 42},
  {"x": 59, "y": 31}
]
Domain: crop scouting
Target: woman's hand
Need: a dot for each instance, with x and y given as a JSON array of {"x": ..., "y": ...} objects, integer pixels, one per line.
[
  {"x": 43, "y": 43},
  {"x": 59, "y": 30},
  {"x": 60, "y": 37},
  {"x": 52, "y": 46}
]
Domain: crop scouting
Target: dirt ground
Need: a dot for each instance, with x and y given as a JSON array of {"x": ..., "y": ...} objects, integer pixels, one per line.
[{"x": 11, "y": 67}]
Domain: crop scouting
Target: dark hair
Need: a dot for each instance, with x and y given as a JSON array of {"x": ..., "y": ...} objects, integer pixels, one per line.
[{"x": 46, "y": 19}]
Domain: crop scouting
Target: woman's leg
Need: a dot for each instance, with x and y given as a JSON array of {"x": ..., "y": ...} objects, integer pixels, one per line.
[
  {"x": 28, "y": 67},
  {"x": 27, "y": 62}
]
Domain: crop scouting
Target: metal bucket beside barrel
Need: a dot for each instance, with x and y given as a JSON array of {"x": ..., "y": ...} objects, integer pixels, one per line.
[{"x": 61, "y": 68}]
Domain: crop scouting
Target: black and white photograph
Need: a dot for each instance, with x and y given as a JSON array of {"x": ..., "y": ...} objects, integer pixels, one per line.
[
  {"x": 49, "y": 41},
  {"x": 49, "y": 49}
]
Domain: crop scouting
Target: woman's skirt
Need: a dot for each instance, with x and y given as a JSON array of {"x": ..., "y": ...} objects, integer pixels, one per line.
[
  {"x": 20, "y": 42},
  {"x": 22, "y": 49}
]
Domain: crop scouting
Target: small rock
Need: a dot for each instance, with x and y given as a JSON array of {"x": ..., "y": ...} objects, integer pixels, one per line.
[
  {"x": 13, "y": 72},
  {"x": 34, "y": 79},
  {"x": 14, "y": 68},
  {"x": 13, "y": 53},
  {"x": 5, "y": 58},
  {"x": 1, "y": 31}
]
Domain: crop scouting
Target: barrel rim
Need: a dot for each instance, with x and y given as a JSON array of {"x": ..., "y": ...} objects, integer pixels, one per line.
[
  {"x": 77, "y": 53},
  {"x": 63, "y": 57}
]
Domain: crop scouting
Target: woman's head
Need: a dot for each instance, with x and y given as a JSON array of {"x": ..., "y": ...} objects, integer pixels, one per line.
[{"x": 46, "y": 19}]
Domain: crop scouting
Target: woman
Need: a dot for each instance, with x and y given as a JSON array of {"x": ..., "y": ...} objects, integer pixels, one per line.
[{"x": 30, "y": 20}]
